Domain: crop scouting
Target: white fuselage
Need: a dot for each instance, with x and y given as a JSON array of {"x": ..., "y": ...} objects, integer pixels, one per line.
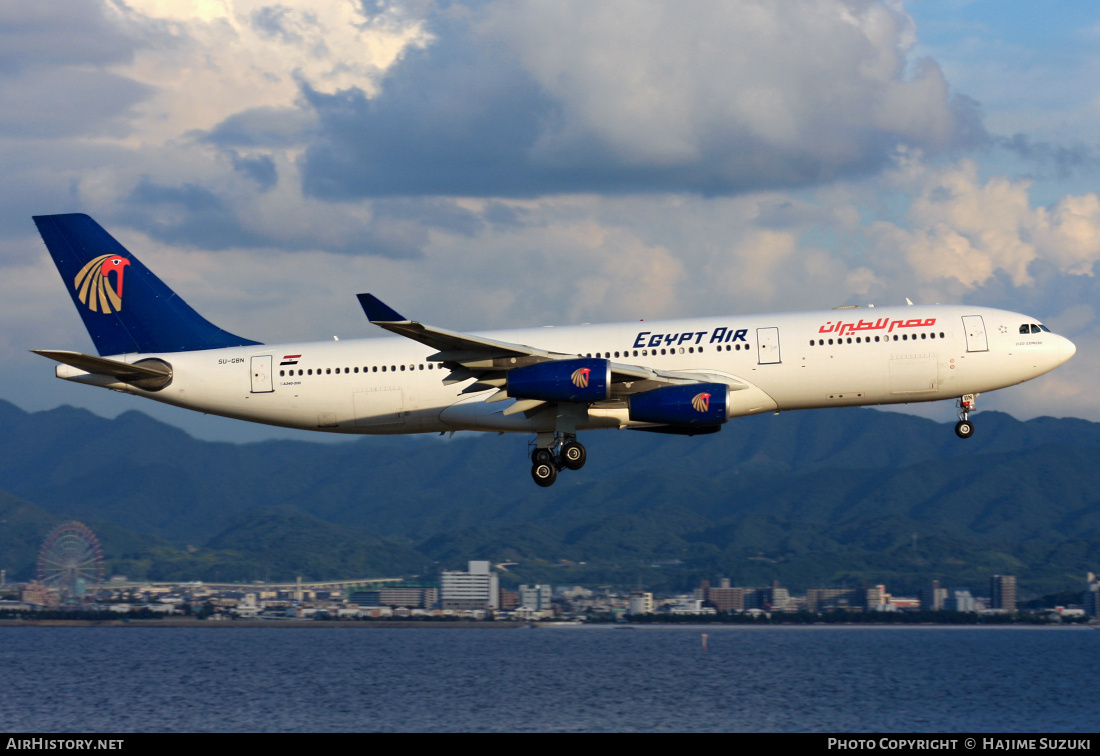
[{"x": 860, "y": 356}]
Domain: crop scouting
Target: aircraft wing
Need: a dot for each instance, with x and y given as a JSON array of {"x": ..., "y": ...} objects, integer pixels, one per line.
[{"x": 488, "y": 360}]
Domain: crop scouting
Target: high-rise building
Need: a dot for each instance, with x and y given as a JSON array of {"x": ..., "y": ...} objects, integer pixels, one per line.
[
  {"x": 933, "y": 597},
  {"x": 536, "y": 598},
  {"x": 477, "y": 588},
  {"x": 641, "y": 603},
  {"x": 821, "y": 599},
  {"x": 775, "y": 598},
  {"x": 960, "y": 600},
  {"x": 1092, "y": 597},
  {"x": 1003, "y": 590},
  {"x": 508, "y": 601},
  {"x": 724, "y": 598}
]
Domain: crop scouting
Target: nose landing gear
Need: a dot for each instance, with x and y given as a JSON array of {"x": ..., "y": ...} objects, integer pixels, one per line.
[
  {"x": 562, "y": 451},
  {"x": 964, "y": 428}
]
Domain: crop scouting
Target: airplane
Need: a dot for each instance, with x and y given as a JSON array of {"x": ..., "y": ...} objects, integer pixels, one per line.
[{"x": 686, "y": 376}]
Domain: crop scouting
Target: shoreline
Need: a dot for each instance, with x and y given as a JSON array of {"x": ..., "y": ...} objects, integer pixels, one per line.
[
  {"x": 489, "y": 624},
  {"x": 231, "y": 624}
]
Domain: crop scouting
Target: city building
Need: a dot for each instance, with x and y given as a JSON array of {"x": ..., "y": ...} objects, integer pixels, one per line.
[
  {"x": 408, "y": 597},
  {"x": 773, "y": 599},
  {"x": 508, "y": 601},
  {"x": 1092, "y": 596},
  {"x": 932, "y": 598},
  {"x": 1003, "y": 590},
  {"x": 641, "y": 603},
  {"x": 960, "y": 600},
  {"x": 536, "y": 598},
  {"x": 477, "y": 588}
]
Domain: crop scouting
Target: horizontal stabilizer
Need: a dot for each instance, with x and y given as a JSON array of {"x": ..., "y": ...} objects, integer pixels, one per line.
[{"x": 149, "y": 374}]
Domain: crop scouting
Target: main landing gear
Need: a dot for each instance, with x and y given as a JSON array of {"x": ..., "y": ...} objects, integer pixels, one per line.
[
  {"x": 964, "y": 428},
  {"x": 563, "y": 452}
]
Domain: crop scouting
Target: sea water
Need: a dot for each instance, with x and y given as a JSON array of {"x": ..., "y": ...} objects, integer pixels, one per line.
[{"x": 563, "y": 678}]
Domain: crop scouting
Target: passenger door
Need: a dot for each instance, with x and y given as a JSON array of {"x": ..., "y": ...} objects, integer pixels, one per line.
[
  {"x": 261, "y": 375},
  {"x": 974, "y": 327}
]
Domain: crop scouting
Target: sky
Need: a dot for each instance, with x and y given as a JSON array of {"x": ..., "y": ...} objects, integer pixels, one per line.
[{"x": 483, "y": 164}]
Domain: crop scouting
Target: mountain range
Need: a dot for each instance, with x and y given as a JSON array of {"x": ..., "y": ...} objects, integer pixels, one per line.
[{"x": 812, "y": 498}]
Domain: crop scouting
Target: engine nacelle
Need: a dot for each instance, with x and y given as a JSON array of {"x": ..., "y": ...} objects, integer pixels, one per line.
[
  {"x": 696, "y": 404},
  {"x": 581, "y": 380}
]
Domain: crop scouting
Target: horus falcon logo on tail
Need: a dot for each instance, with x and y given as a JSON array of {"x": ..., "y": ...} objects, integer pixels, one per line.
[{"x": 93, "y": 283}]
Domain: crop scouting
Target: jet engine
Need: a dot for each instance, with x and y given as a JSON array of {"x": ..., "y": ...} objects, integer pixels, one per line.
[
  {"x": 580, "y": 380},
  {"x": 694, "y": 404}
]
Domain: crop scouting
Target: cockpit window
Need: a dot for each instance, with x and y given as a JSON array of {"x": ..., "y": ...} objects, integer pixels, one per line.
[{"x": 1033, "y": 328}]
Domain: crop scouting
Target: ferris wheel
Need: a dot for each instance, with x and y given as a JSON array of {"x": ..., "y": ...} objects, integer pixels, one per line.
[{"x": 71, "y": 560}]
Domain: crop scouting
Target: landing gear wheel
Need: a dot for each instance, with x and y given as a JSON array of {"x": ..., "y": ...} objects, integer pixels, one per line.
[
  {"x": 544, "y": 473},
  {"x": 541, "y": 456},
  {"x": 573, "y": 455},
  {"x": 964, "y": 428}
]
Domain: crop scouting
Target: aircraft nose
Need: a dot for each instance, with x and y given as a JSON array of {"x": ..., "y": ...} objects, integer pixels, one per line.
[{"x": 1066, "y": 349}]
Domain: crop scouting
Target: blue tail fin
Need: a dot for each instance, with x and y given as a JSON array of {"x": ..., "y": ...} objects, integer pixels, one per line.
[{"x": 124, "y": 310}]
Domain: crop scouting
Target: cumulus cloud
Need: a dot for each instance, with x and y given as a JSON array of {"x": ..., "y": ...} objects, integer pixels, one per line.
[
  {"x": 526, "y": 98},
  {"x": 212, "y": 60},
  {"x": 959, "y": 226},
  {"x": 54, "y": 70},
  {"x": 490, "y": 164}
]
